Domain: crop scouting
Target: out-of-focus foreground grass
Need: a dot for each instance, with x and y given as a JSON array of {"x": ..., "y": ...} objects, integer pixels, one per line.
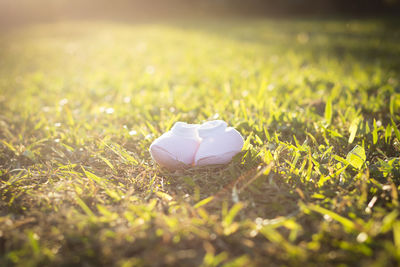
[{"x": 80, "y": 103}]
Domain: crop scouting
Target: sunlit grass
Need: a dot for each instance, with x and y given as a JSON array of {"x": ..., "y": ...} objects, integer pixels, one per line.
[{"x": 80, "y": 104}]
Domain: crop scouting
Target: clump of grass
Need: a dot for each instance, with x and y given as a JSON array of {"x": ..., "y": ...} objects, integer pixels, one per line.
[{"x": 317, "y": 181}]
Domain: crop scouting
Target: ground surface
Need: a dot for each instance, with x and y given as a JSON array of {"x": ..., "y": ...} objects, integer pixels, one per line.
[{"x": 80, "y": 103}]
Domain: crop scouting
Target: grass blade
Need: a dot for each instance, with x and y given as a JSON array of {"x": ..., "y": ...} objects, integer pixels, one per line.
[
  {"x": 328, "y": 111},
  {"x": 356, "y": 157}
]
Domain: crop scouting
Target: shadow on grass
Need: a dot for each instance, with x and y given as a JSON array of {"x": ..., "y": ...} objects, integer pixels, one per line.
[{"x": 365, "y": 41}]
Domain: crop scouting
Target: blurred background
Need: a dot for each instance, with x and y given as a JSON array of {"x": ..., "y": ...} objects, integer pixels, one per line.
[{"x": 23, "y": 11}]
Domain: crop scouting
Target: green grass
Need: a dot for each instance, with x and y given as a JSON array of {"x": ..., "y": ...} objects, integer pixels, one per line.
[{"x": 80, "y": 103}]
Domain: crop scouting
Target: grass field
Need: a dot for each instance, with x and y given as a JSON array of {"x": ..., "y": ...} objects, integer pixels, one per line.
[{"x": 80, "y": 103}]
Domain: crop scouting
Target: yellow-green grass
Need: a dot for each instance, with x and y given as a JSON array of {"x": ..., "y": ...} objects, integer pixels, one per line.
[{"x": 80, "y": 103}]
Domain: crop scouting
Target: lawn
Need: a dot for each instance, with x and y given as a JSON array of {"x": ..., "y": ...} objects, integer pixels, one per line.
[{"x": 317, "y": 182}]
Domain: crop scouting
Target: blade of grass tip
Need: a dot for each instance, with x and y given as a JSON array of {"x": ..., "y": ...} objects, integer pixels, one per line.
[
  {"x": 312, "y": 138},
  {"x": 232, "y": 214},
  {"x": 258, "y": 140},
  {"x": 375, "y": 133},
  {"x": 388, "y": 221},
  {"x": 342, "y": 220},
  {"x": 309, "y": 167},
  {"x": 170, "y": 122},
  {"x": 126, "y": 156},
  {"x": 272, "y": 235},
  {"x": 33, "y": 242},
  {"x": 151, "y": 128},
  {"x": 396, "y": 130},
  {"x": 151, "y": 187},
  {"x": 106, "y": 161},
  {"x": 36, "y": 143},
  {"x": 105, "y": 212},
  {"x": 275, "y": 237},
  {"x": 294, "y": 163},
  {"x": 388, "y": 133},
  {"x": 267, "y": 134},
  {"x": 244, "y": 111},
  {"x": 11, "y": 147},
  {"x": 69, "y": 116},
  {"x": 121, "y": 153},
  {"x": 340, "y": 159},
  {"x": 22, "y": 173},
  {"x": 93, "y": 177},
  {"x": 391, "y": 105},
  {"x": 396, "y": 234},
  {"x": 70, "y": 148},
  {"x": 247, "y": 142},
  {"x": 366, "y": 127},
  {"x": 113, "y": 194},
  {"x": 328, "y": 111},
  {"x": 353, "y": 129},
  {"x": 338, "y": 172},
  {"x": 203, "y": 202},
  {"x": 84, "y": 207},
  {"x": 164, "y": 196}
]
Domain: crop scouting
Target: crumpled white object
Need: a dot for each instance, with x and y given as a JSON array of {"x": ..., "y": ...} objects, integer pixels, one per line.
[{"x": 196, "y": 145}]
